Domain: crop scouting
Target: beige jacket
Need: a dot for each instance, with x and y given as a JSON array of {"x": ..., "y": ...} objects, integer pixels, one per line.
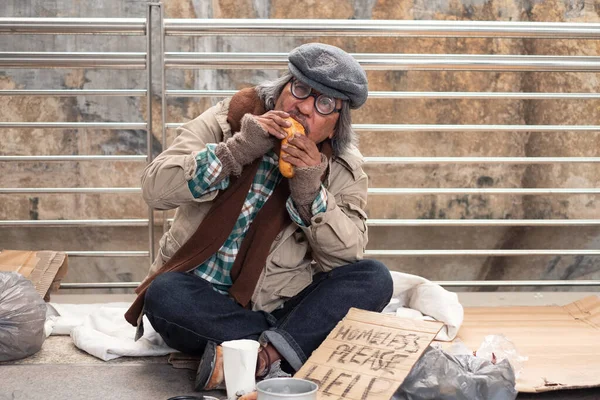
[{"x": 336, "y": 237}]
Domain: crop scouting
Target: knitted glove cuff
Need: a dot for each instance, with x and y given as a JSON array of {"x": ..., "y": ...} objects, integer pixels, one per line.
[
  {"x": 251, "y": 142},
  {"x": 306, "y": 183},
  {"x": 228, "y": 162}
]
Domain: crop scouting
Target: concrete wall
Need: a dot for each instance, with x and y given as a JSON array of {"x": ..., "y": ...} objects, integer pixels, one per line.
[{"x": 42, "y": 141}]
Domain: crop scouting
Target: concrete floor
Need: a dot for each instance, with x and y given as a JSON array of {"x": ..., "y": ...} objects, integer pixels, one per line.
[
  {"x": 61, "y": 371},
  {"x": 140, "y": 381},
  {"x": 109, "y": 381}
]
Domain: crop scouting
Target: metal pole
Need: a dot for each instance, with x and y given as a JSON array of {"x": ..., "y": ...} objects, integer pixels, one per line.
[
  {"x": 518, "y": 283},
  {"x": 74, "y": 125},
  {"x": 74, "y": 92},
  {"x": 515, "y": 191},
  {"x": 72, "y": 190},
  {"x": 72, "y": 26},
  {"x": 478, "y": 160},
  {"x": 380, "y": 28},
  {"x": 472, "y": 128},
  {"x": 470, "y": 95},
  {"x": 51, "y": 223},
  {"x": 51, "y": 59},
  {"x": 480, "y": 253},
  {"x": 200, "y": 93},
  {"x": 480, "y": 222},
  {"x": 85, "y": 253},
  {"x": 163, "y": 97},
  {"x": 100, "y": 285},
  {"x": 136, "y": 158},
  {"x": 392, "y": 61},
  {"x": 149, "y": 135}
]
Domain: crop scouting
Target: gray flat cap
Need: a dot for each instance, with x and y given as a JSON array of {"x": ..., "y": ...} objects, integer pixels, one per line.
[{"x": 330, "y": 70}]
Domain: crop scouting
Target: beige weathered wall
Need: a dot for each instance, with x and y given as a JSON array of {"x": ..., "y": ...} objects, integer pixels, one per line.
[{"x": 38, "y": 141}]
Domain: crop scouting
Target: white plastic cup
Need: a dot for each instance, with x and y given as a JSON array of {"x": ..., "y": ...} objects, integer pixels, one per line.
[{"x": 239, "y": 364}]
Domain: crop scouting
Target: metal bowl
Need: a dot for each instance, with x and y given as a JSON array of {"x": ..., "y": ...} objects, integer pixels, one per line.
[{"x": 287, "y": 388}]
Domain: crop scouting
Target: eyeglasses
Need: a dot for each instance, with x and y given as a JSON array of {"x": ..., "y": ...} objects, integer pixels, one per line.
[{"x": 324, "y": 104}]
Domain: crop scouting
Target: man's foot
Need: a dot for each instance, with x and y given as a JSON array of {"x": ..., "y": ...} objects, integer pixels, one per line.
[
  {"x": 268, "y": 364},
  {"x": 210, "y": 374},
  {"x": 263, "y": 362},
  {"x": 249, "y": 396}
]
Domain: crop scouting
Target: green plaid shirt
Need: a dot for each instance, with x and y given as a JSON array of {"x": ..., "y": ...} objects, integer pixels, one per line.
[{"x": 217, "y": 269}]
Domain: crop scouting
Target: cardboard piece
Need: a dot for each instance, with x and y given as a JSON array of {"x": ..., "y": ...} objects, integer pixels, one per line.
[
  {"x": 562, "y": 342},
  {"x": 367, "y": 355},
  {"x": 184, "y": 361},
  {"x": 45, "y": 269}
]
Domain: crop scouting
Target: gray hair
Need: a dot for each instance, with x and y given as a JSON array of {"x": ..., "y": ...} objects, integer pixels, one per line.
[{"x": 344, "y": 136}]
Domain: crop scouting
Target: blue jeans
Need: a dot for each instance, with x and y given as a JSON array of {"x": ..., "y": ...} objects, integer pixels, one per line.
[{"x": 185, "y": 310}]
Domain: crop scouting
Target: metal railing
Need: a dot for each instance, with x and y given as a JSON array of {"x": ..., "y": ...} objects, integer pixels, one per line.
[
  {"x": 404, "y": 62},
  {"x": 384, "y": 28},
  {"x": 399, "y": 62},
  {"x": 116, "y": 61}
]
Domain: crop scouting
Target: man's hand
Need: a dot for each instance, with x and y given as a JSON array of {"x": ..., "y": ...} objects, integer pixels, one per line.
[
  {"x": 249, "y": 396},
  {"x": 273, "y": 122},
  {"x": 256, "y": 137},
  {"x": 302, "y": 152},
  {"x": 310, "y": 165}
]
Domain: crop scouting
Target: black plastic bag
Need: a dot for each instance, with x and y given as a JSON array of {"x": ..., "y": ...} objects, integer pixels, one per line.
[
  {"x": 22, "y": 317},
  {"x": 439, "y": 375}
]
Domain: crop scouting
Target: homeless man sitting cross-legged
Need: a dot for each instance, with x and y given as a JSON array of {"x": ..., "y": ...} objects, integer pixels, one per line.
[{"x": 254, "y": 255}]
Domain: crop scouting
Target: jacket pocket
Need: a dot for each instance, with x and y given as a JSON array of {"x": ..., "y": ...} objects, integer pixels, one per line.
[
  {"x": 292, "y": 252},
  {"x": 360, "y": 212},
  {"x": 288, "y": 270},
  {"x": 167, "y": 246},
  {"x": 298, "y": 280},
  {"x": 342, "y": 230}
]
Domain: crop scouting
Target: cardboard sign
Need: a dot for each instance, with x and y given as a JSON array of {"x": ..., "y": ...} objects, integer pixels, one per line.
[{"x": 367, "y": 355}]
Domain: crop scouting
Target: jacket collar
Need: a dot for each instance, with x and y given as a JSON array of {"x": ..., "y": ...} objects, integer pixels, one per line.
[{"x": 351, "y": 158}]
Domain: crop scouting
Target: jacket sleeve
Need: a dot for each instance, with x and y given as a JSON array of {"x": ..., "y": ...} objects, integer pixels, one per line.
[
  {"x": 165, "y": 179},
  {"x": 339, "y": 235}
]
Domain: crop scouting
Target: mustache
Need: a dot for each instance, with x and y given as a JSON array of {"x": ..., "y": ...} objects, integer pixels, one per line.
[{"x": 300, "y": 118}]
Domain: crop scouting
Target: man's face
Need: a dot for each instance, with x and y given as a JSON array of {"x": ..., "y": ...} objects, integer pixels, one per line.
[{"x": 318, "y": 126}]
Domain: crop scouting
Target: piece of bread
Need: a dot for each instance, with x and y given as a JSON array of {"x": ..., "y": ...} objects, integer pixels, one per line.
[{"x": 285, "y": 167}]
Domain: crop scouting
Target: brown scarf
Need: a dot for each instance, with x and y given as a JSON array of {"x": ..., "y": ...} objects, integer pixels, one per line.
[{"x": 220, "y": 220}]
